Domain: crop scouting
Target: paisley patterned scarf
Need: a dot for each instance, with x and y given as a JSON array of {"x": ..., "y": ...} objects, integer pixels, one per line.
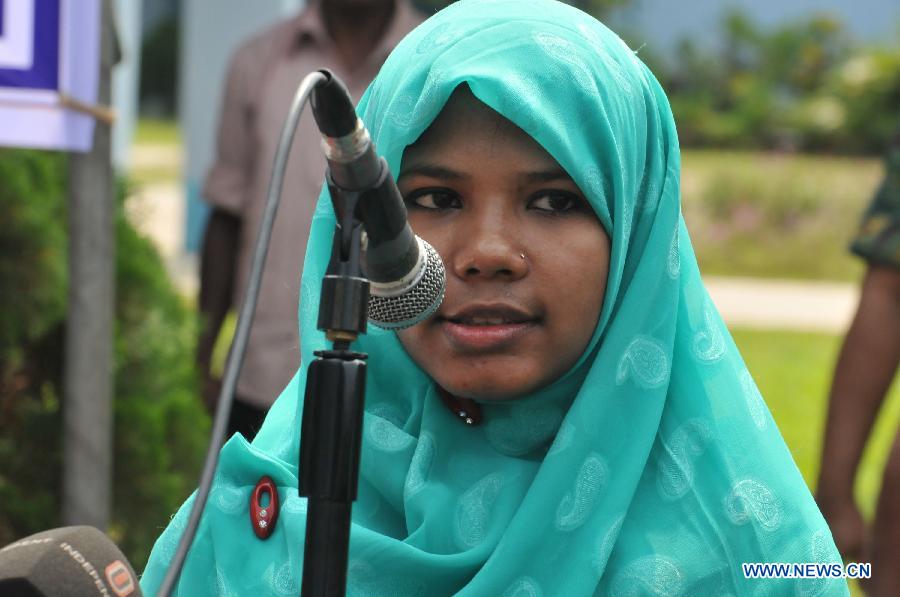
[{"x": 653, "y": 467}]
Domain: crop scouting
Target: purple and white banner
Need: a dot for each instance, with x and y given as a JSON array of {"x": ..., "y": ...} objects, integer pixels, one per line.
[{"x": 48, "y": 48}]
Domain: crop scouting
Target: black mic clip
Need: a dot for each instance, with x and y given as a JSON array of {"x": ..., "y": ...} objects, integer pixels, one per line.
[{"x": 343, "y": 306}]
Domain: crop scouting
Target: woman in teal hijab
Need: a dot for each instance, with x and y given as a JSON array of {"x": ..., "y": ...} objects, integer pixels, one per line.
[{"x": 618, "y": 445}]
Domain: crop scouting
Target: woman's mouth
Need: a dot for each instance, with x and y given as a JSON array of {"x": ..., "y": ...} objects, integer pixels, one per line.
[{"x": 487, "y": 327}]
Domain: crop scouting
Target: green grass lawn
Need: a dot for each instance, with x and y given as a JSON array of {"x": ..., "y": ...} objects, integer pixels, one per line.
[
  {"x": 152, "y": 131},
  {"x": 776, "y": 215},
  {"x": 157, "y": 153},
  {"x": 793, "y": 371}
]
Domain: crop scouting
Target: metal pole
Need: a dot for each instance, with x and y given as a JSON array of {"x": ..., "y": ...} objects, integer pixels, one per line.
[{"x": 87, "y": 404}]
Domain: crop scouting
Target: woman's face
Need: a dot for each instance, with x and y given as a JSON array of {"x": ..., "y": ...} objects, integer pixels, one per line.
[{"x": 526, "y": 257}]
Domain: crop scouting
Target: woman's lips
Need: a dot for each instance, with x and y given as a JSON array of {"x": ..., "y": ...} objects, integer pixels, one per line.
[{"x": 485, "y": 337}]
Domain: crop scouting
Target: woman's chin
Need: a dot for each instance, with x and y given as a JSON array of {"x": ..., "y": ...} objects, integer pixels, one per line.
[{"x": 487, "y": 390}]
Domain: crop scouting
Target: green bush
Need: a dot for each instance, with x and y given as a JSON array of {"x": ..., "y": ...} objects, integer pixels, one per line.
[
  {"x": 160, "y": 426},
  {"x": 33, "y": 297},
  {"x": 859, "y": 106},
  {"x": 802, "y": 86}
]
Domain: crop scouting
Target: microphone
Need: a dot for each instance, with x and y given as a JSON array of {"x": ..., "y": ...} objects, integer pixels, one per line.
[
  {"x": 406, "y": 274},
  {"x": 77, "y": 561}
]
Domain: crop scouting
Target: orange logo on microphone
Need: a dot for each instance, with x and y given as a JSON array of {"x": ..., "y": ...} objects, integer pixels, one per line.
[{"x": 119, "y": 578}]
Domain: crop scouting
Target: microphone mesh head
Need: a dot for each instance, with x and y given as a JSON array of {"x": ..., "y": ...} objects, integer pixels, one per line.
[{"x": 417, "y": 303}]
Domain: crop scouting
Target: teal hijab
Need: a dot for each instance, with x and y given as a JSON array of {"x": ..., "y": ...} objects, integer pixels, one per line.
[{"x": 652, "y": 467}]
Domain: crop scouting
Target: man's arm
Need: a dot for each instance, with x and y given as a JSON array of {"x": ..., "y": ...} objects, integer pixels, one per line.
[
  {"x": 227, "y": 189},
  {"x": 218, "y": 262},
  {"x": 864, "y": 371}
]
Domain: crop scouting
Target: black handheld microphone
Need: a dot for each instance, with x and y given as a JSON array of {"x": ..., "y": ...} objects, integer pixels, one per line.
[
  {"x": 77, "y": 561},
  {"x": 406, "y": 274}
]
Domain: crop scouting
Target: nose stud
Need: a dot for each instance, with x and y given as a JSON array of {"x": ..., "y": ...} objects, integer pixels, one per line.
[{"x": 522, "y": 255}]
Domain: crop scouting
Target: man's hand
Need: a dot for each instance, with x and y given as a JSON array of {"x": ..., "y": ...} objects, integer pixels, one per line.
[
  {"x": 210, "y": 393},
  {"x": 218, "y": 262},
  {"x": 847, "y": 527}
]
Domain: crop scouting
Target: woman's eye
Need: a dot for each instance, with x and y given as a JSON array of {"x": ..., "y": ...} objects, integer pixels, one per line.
[
  {"x": 554, "y": 202},
  {"x": 433, "y": 200}
]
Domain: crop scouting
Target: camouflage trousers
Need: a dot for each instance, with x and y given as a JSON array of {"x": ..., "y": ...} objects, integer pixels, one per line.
[{"x": 878, "y": 239}]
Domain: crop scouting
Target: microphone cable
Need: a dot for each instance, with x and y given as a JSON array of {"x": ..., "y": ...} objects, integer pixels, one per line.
[{"x": 242, "y": 332}]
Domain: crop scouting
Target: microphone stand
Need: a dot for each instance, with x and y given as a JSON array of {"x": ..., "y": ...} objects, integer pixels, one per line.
[
  {"x": 335, "y": 386},
  {"x": 331, "y": 429}
]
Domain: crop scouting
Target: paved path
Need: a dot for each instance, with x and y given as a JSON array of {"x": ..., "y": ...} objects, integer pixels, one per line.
[
  {"x": 148, "y": 156},
  {"x": 158, "y": 211},
  {"x": 784, "y": 304}
]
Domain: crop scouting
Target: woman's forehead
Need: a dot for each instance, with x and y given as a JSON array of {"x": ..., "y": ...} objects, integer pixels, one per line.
[
  {"x": 466, "y": 125},
  {"x": 462, "y": 112}
]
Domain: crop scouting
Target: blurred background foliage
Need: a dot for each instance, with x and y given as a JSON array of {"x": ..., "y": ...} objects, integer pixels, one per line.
[
  {"x": 802, "y": 86},
  {"x": 799, "y": 116},
  {"x": 160, "y": 427}
]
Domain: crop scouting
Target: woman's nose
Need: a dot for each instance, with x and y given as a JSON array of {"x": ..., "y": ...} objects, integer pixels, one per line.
[{"x": 490, "y": 249}]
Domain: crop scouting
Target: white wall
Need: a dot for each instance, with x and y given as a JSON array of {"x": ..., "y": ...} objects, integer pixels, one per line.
[{"x": 125, "y": 79}]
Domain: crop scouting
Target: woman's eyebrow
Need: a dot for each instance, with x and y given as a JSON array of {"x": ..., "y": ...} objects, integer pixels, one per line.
[
  {"x": 433, "y": 171},
  {"x": 546, "y": 175},
  {"x": 438, "y": 171}
]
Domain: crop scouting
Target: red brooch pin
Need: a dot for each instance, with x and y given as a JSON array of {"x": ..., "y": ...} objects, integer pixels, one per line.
[{"x": 263, "y": 517}]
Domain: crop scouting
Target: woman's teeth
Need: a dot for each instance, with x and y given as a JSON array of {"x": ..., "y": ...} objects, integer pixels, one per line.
[{"x": 485, "y": 321}]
